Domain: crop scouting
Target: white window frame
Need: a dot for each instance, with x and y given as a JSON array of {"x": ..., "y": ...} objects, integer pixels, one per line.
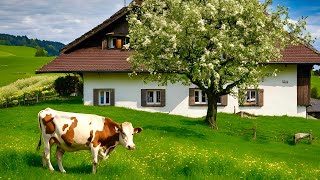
[
  {"x": 200, "y": 97},
  {"x": 104, "y": 103},
  {"x": 249, "y": 94},
  {"x": 156, "y": 97},
  {"x": 110, "y": 43}
]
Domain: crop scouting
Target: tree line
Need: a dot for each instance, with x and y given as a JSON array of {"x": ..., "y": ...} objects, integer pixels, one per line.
[{"x": 44, "y": 48}]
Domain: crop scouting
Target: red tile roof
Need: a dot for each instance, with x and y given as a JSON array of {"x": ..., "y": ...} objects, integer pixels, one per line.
[
  {"x": 89, "y": 60},
  {"x": 300, "y": 54},
  {"x": 97, "y": 60}
]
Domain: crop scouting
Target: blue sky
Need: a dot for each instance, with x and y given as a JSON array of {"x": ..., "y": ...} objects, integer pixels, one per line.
[
  {"x": 309, "y": 8},
  {"x": 66, "y": 20}
]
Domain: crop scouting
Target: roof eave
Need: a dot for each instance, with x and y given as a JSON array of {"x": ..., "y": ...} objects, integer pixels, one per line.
[{"x": 87, "y": 71}]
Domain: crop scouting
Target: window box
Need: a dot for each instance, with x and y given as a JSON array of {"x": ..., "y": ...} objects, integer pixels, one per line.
[
  {"x": 198, "y": 98},
  {"x": 153, "y": 97},
  {"x": 103, "y": 97}
]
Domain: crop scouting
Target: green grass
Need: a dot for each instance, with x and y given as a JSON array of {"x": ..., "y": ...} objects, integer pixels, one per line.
[
  {"x": 17, "y": 62},
  {"x": 315, "y": 83},
  {"x": 169, "y": 147}
]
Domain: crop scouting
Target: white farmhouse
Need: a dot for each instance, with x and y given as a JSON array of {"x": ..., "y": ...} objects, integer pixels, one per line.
[{"x": 99, "y": 58}]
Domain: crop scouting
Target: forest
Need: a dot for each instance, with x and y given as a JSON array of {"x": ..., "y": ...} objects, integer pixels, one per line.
[{"x": 44, "y": 48}]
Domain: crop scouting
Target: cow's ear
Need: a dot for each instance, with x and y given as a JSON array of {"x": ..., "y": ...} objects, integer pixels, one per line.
[
  {"x": 137, "y": 130},
  {"x": 118, "y": 129}
]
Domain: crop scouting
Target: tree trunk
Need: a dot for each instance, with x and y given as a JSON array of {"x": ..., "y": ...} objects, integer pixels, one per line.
[{"x": 211, "y": 117}]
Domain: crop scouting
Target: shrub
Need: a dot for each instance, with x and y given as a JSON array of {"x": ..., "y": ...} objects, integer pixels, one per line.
[
  {"x": 314, "y": 92},
  {"x": 67, "y": 85},
  {"x": 26, "y": 88}
]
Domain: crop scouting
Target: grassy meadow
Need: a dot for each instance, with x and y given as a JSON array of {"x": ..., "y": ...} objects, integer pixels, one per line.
[
  {"x": 169, "y": 147},
  {"x": 315, "y": 83},
  {"x": 17, "y": 62}
]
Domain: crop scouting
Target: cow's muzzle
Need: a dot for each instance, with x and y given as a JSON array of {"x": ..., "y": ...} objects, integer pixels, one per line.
[{"x": 131, "y": 147}]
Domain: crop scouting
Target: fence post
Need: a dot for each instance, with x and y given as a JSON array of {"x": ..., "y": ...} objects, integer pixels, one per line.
[
  {"x": 310, "y": 136},
  {"x": 254, "y": 133}
]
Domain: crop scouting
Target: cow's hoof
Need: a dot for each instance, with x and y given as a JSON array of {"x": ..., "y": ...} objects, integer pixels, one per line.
[{"x": 63, "y": 171}]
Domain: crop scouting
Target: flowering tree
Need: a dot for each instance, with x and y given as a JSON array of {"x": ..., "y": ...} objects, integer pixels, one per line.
[{"x": 219, "y": 45}]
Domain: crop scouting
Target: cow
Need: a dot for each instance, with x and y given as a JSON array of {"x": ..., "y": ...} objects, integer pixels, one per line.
[{"x": 74, "y": 131}]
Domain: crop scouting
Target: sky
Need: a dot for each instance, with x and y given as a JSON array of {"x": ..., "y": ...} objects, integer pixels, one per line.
[{"x": 66, "y": 20}]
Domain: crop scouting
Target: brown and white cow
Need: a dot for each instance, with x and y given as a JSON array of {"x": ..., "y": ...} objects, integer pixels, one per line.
[{"x": 75, "y": 131}]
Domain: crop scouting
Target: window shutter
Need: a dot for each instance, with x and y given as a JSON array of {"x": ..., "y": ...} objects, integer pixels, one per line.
[
  {"x": 143, "y": 97},
  {"x": 96, "y": 97},
  {"x": 162, "y": 97},
  {"x": 112, "y": 97},
  {"x": 260, "y": 97},
  {"x": 224, "y": 100},
  {"x": 191, "y": 97}
]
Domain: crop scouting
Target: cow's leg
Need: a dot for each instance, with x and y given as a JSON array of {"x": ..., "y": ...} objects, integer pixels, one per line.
[
  {"x": 59, "y": 154},
  {"x": 46, "y": 155},
  {"x": 105, "y": 155},
  {"x": 44, "y": 160},
  {"x": 94, "y": 153}
]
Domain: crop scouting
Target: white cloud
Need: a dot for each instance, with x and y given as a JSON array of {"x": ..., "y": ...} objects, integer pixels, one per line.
[{"x": 56, "y": 20}]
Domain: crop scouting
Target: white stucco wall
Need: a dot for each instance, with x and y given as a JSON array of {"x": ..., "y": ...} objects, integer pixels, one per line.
[{"x": 280, "y": 94}]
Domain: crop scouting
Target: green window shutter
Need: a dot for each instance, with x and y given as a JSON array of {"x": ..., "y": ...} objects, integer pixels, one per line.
[
  {"x": 260, "y": 97},
  {"x": 162, "y": 97},
  {"x": 143, "y": 97}
]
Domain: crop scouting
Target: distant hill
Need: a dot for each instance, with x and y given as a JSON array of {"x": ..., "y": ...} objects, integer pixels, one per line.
[
  {"x": 17, "y": 62},
  {"x": 50, "y": 46}
]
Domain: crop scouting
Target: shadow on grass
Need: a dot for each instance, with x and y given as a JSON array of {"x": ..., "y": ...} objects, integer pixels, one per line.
[
  {"x": 200, "y": 122},
  {"x": 179, "y": 132},
  {"x": 82, "y": 169},
  {"x": 33, "y": 159}
]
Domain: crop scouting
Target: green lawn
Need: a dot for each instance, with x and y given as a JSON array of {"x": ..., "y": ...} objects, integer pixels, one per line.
[
  {"x": 17, "y": 62},
  {"x": 169, "y": 147}
]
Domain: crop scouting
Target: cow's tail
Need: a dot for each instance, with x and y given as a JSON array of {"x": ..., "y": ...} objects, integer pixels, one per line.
[{"x": 39, "y": 144}]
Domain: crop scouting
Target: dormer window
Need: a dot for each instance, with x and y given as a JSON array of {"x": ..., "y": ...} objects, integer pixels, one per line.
[
  {"x": 116, "y": 41},
  {"x": 112, "y": 42}
]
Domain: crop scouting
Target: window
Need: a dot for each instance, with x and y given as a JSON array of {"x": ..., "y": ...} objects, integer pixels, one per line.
[
  {"x": 126, "y": 41},
  {"x": 103, "y": 97},
  {"x": 253, "y": 97},
  {"x": 198, "y": 98},
  {"x": 112, "y": 42},
  {"x": 117, "y": 42},
  {"x": 153, "y": 97},
  {"x": 219, "y": 101}
]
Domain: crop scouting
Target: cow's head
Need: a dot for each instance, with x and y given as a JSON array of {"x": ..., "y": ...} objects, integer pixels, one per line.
[{"x": 126, "y": 132}]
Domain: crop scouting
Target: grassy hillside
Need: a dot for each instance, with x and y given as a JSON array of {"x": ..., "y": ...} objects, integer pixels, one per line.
[
  {"x": 18, "y": 62},
  {"x": 169, "y": 147}
]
